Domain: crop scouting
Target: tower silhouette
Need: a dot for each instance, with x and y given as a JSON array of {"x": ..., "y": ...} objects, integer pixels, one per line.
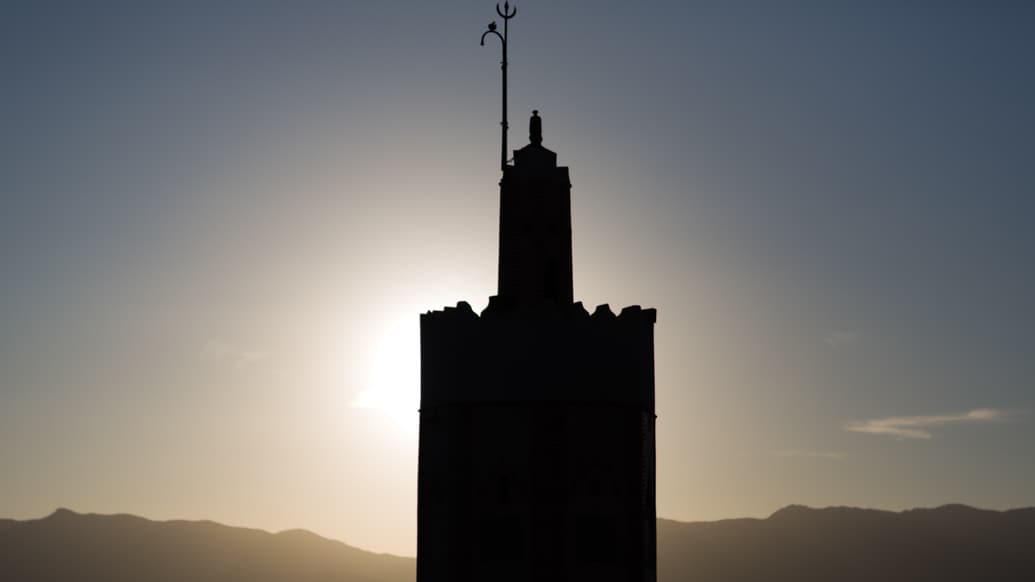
[{"x": 537, "y": 455}]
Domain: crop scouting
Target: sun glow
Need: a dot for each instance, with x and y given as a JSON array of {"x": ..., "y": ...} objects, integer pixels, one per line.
[{"x": 393, "y": 385}]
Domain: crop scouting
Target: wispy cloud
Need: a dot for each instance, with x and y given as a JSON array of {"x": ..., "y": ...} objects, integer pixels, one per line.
[
  {"x": 831, "y": 456},
  {"x": 841, "y": 337},
  {"x": 236, "y": 355},
  {"x": 919, "y": 427}
]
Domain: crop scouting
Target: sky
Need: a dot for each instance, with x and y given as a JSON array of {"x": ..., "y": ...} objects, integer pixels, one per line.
[{"x": 219, "y": 223}]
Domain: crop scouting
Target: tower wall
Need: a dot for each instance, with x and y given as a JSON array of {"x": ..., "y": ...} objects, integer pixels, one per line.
[
  {"x": 535, "y": 229},
  {"x": 536, "y": 445}
]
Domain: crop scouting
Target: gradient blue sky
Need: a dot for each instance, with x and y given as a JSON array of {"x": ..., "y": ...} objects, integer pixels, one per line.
[{"x": 220, "y": 222}]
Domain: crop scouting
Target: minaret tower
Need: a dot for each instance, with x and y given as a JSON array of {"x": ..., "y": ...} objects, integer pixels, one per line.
[{"x": 537, "y": 450}]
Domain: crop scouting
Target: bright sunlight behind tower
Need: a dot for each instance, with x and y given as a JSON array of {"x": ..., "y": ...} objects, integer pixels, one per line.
[{"x": 394, "y": 377}]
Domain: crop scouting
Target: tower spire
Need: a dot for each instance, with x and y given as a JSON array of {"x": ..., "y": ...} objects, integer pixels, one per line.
[{"x": 506, "y": 14}]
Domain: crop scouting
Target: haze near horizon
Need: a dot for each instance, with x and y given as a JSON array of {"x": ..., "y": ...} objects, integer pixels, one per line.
[{"x": 220, "y": 224}]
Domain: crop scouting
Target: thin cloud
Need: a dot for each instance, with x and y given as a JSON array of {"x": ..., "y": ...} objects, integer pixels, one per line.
[
  {"x": 831, "y": 456},
  {"x": 919, "y": 427},
  {"x": 842, "y": 337},
  {"x": 235, "y": 355}
]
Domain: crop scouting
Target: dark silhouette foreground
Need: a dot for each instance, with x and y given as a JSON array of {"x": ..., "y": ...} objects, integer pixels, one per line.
[
  {"x": 947, "y": 544},
  {"x": 537, "y": 417},
  {"x": 536, "y": 459}
]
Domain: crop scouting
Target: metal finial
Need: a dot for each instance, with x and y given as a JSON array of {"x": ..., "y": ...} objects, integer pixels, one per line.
[{"x": 506, "y": 14}]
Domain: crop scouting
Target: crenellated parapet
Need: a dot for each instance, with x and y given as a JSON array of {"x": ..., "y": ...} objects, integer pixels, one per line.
[{"x": 545, "y": 353}]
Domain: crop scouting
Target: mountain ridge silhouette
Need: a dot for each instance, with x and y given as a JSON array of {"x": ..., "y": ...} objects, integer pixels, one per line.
[
  {"x": 67, "y": 546},
  {"x": 949, "y": 543},
  {"x": 795, "y": 543}
]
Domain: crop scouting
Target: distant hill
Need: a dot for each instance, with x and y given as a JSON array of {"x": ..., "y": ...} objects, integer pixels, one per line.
[
  {"x": 842, "y": 544},
  {"x": 71, "y": 547},
  {"x": 796, "y": 544}
]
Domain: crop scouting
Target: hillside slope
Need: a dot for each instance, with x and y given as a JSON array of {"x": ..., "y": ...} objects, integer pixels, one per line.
[
  {"x": 799, "y": 544},
  {"x": 70, "y": 547},
  {"x": 796, "y": 544}
]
